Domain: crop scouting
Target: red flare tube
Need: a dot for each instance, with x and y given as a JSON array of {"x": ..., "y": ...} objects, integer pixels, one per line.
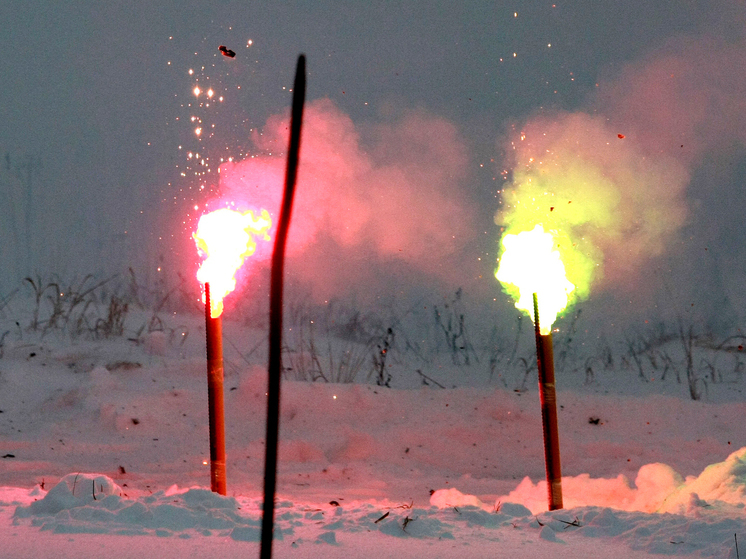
[
  {"x": 214, "y": 333},
  {"x": 548, "y": 397}
]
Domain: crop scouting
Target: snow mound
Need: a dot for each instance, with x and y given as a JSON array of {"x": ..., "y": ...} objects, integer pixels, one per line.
[
  {"x": 658, "y": 488},
  {"x": 446, "y": 498},
  {"x": 717, "y": 486},
  {"x": 92, "y": 503},
  {"x": 73, "y": 491},
  {"x": 667, "y": 534}
]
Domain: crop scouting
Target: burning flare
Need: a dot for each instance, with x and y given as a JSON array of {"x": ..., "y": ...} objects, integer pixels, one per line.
[
  {"x": 225, "y": 238},
  {"x": 530, "y": 263}
]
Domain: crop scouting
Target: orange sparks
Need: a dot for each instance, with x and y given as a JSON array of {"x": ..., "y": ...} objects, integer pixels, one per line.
[{"x": 225, "y": 238}]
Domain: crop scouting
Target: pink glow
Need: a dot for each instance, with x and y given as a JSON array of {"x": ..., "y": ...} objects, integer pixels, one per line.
[{"x": 399, "y": 197}]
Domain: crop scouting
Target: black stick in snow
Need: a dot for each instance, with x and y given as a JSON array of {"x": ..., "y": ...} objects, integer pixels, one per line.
[{"x": 275, "y": 312}]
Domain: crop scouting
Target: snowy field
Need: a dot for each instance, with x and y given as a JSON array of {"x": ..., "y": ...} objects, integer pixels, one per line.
[
  {"x": 456, "y": 158},
  {"x": 104, "y": 444}
]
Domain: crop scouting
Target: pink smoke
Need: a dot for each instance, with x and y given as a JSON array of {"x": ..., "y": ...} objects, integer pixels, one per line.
[
  {"x": 681, "y": 101},
  {"x": 399, "y": 198}
]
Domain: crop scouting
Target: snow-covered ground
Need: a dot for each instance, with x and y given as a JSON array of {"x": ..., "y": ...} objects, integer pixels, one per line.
[{"x": 104, "y": 447}]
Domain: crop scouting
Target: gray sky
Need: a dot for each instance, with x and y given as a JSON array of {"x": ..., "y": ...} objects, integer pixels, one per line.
[{"x": 93, "y": 109}]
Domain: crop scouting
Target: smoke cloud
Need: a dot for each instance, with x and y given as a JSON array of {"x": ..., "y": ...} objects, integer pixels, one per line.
[
  {"x": 612, "y": 205},
  {"x": 614, "y": 179},
  {"x": 361, "y": 210},
  {"x": 682, "y": 101}
]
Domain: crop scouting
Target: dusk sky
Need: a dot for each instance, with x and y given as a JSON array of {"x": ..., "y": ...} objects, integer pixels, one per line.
[{"x": 412, "y": 108}]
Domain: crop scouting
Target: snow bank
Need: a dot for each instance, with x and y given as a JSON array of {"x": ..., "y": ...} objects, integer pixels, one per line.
[
  {"x": 657, "y": 488},
  {"x": 199, "y": 513},
  {"x": 90, "y": 503},
  {"x": 718, "y": 485},
  {"x": 73, "y": 491},
  {"x": 704, "y": 512}
]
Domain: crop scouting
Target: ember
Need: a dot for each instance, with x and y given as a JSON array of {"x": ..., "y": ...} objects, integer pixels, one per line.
[{"x": 226, "y": 51}]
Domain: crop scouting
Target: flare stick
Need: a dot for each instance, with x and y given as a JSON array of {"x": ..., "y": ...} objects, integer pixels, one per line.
[
  {"x": 214, "y": 333},
  {"x": 275, "y": 312},
  {"x": 548, "y": 397}
]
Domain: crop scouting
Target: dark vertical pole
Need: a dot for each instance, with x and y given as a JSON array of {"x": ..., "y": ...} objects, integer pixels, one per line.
[
  {"x": 214, "y": 333},
  {"x": 548, "y": 397},
  {"x": 275, "y": 311}
]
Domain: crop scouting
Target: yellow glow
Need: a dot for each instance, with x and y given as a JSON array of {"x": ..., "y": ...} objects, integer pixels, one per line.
[
  {"x": 530, "y": 263},
  {"x": 197, "y": 91},
  {"x": 225, "y": 238}
]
